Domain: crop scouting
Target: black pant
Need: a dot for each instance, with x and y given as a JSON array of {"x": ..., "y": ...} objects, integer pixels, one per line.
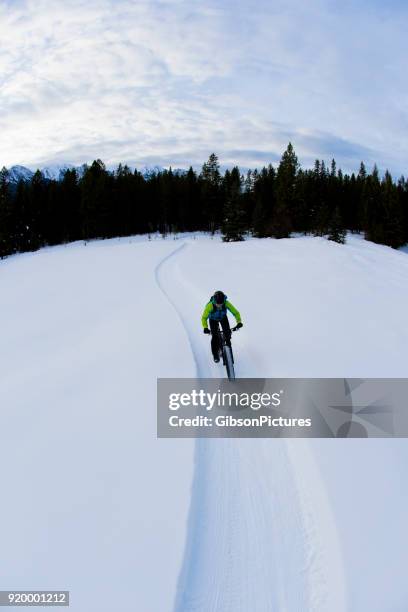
[{"x": 214, "y": 336}]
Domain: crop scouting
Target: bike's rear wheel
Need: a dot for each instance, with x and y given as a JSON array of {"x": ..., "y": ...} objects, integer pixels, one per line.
[{"x": 229, "y": 362}]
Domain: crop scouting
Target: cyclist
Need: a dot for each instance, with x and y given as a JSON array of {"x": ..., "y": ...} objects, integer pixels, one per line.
[{"x": 216, "y": 312}]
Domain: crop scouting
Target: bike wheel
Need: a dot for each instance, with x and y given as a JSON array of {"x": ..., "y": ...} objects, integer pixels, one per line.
[{"x": 229, "y": 362}]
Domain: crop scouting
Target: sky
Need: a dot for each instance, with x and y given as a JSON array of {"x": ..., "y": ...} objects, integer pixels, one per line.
[{"x": 168, "y": 82}]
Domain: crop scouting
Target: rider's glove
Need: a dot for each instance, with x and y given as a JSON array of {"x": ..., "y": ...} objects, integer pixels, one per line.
[
  {"x": 206, "y": 330},
  {"x": 238, "y": 325}
]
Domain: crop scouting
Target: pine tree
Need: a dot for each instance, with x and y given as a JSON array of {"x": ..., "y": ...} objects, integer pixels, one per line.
[
  {"x": 374, "y": 211},
  {"x": 394, "y": 221},
  {"x": 322, "y": 215},
  {"x": 210, "y": 178},
  {"x": 264, "y": 198},
  {"x": 233, "y": 226},
  {"x": 337, "y": 233},
  {"x": 361, "y": 199},
  {"x": 96, "y": 199},
  {"x": 35, "y": 212},
  {"x": 22, "y": 230},
  {"x": 189, "y": 210},
  {"x": 7, "y": 239},
  {"x": 282, "y": 223},
  {"x": 211, "y": 171},
  {"x": 70, "y": 203},
  {"x": 403, "y": 200},
  {"x": 304, "y": 210}
]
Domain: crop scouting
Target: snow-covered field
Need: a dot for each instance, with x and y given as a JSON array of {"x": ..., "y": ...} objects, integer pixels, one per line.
[{"x": 94, "y": 503}]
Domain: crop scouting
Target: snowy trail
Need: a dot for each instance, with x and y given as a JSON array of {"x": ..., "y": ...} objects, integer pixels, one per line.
[
  {"x": 254, "y": 525},
  {"x": 261, "y": 536},
  {"x": 177, "y": 288}
]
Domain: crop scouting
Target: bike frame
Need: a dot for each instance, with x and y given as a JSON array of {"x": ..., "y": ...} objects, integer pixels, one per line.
[{"x": 225, "y": 352}]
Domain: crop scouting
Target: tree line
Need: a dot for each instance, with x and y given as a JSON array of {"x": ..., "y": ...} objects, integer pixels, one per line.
[{"x": 271, "y": 202}]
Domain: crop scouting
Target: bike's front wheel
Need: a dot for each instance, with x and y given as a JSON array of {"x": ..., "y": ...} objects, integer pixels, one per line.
[{"x": 229, "y": 362}]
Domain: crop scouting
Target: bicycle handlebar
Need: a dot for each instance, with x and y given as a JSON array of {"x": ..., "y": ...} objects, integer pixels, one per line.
[{"x": 232, "y": 329}]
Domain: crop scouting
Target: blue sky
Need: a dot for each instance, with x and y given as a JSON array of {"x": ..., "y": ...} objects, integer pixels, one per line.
[{"x": 169, "y": 82}]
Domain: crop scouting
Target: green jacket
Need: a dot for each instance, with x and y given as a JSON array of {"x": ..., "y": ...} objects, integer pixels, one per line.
[{"x": 208, "y": 310}]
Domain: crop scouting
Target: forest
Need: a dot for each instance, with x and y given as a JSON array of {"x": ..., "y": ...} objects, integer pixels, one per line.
[{"x": 94, "y": 202}]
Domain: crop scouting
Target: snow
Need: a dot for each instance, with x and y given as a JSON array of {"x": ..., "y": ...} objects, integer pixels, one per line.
[
  {"x": 55, "y": 172},
  {"x": 96, "y": 504},
  {"x": 17, "y": 173},
  {"x": 149, "y": 171}
]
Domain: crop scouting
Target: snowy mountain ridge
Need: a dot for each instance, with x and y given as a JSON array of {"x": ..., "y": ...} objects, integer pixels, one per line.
[
  {"x": 17, "y": 173},
  {"x": 56, "y": 172}
]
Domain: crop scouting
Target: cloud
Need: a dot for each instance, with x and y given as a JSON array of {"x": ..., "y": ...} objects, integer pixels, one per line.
[{"x": 173, "y": 80}]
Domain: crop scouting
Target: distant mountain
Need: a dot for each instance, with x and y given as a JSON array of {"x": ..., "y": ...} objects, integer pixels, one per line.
[
  {"x": 18, "y": 173},
  {"x": 56, "y": 172},
  {"x": 148, "y": 171},
  {"x": 21, "y": 173}
]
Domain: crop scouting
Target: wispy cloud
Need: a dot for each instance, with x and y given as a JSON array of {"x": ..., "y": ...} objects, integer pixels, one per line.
[{"x": 170, "y": 81}]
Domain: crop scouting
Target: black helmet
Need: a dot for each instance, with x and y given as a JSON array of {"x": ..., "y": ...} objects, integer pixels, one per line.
[{"x": 219, "y": 297}]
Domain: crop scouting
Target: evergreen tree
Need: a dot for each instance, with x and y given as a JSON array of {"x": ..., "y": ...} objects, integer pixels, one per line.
[
  {"x": 211, "y": 192},
  {"x": 402, "y": 189},
  {"x": 233, "y": 226},
  {"x": 282, "y": 222},
  {"x": 211, "y": 171},
  {"x": 36, "y": 212},
  {"x": 22, "y": 231},
  {"x": 337, "y": 233},
  {"x": 303, "y": 220},
  {"x": 374, "y": 229},
  {"x": 361, "y": 201},
  {"x": 322, "y": 211},
  {"x": 248, "y": 197},
  {"x": 264, "y": 202},
  {"x": 69, "y": 194},
  {"x": 189, "y": 210},
  {"x": 7, "y": 239},
  {"x": 394, "y": 221},
  {"x": 96, "y": 198}
]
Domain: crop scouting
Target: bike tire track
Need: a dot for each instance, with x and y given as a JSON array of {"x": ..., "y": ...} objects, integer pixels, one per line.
[{"x": 160, "y": 283}]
